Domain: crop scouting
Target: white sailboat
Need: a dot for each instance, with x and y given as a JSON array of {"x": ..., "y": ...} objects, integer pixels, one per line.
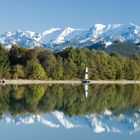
[
  {"x": 86, "y": 76},
  {"x": 86, "y": 82}
]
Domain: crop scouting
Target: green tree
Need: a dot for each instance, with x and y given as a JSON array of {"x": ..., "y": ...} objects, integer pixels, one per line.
[
  {"x": 18, "y": 72},
  {"x": 35, "y": 70},
  {"x": 131, "y": 70},
  {"x": 4, "y": 63},
  {"x": 19, "y": 55},
  {"x": 48, "y": 61},
  {"x": 70, "y": 69},
  {"x": 58, "y": 70}
]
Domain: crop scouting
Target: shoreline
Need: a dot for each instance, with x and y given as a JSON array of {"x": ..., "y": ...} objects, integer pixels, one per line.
[{"x": 24, "y": 82}]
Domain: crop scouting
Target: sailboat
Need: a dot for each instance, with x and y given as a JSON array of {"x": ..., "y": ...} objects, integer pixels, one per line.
[
  {"x": 86, "y": 76},
  {"x": 86, "y": 82}
]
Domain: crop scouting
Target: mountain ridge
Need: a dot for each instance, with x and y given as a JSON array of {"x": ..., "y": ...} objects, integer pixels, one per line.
[{"x": 57, "y": 39}]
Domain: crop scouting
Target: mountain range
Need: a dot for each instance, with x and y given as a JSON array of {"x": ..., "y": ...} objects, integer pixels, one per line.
[
  {"x": 105, "y": 122},
  {"x": 99, "y": 36}
]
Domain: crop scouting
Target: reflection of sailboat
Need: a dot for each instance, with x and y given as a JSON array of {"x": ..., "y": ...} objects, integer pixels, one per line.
[
  {"x": 86, "y": 90},
  {"x": 86, "y": 82}
]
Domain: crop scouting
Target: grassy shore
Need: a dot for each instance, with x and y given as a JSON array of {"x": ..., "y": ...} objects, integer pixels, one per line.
[{"x": 21, "y": 81}]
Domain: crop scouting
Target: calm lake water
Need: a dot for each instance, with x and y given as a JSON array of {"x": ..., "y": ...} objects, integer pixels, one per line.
[{"x": 69, "y": 112}]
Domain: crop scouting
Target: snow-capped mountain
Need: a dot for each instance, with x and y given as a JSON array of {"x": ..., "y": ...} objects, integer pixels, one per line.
[
  {"x": 105, "y": 122},
  {"x": 57, "y": 39}
]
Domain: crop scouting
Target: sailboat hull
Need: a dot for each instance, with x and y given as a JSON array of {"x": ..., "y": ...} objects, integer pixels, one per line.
[{"x": 85, "y": 81}]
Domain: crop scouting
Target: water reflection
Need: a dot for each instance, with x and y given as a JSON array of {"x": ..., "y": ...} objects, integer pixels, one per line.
[
  {"x": 86, "y": 90},
  {"x": 104, "y": 122},
  {"x": 107, "y": 108}
]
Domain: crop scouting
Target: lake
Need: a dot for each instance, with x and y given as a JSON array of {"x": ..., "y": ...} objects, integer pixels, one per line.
[{"x": 70, "y": 112}]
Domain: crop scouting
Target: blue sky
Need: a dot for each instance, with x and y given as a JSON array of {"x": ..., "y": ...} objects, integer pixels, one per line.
[{"x": 40, "y": 15}]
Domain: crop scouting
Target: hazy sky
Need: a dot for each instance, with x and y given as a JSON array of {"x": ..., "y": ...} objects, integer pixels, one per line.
[{"x": 40, "y": 15}]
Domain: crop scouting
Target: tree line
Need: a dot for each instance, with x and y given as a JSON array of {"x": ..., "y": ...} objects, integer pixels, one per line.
[{"x": 40, "y": 63}]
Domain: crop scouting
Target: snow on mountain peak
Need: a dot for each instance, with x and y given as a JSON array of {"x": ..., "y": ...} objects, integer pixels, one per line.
[
  {"x": 47, "y": 32},
  {"x": 114, "y": 26},
  {"x": 97, "y": 30},
  {"x": 55, "y": 37},
  {"x": 99, "y": 26},
  {"x": 8, "y": 33},
  {"x": 61, "y": 37},
  {"x": 133, "y": 24}
]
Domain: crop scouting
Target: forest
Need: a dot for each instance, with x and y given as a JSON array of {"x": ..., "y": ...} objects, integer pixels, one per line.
[{"x": 40, "y": 63}]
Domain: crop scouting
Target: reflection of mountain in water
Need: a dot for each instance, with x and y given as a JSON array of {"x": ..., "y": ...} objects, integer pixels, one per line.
[
  {"x": 73, "y": 108},
  {"x": 105, "y": 122}
]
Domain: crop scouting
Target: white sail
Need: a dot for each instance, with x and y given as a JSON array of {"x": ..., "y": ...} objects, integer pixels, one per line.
[{"x": 86, "y": 73}]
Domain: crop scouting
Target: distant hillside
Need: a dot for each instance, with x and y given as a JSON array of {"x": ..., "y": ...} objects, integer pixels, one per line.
[{"x": 124, "y": 49}]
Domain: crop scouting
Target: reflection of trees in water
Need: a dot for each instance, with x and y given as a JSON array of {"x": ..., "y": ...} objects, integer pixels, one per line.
[
  {"x": 68, "y": 98},
  {"x": 4, "y": 99}
]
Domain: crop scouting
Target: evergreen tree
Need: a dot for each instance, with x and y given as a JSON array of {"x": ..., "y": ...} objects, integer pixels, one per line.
[
  {"x": 48, "y": 61},
  {"x": 58, "y": 70},
  {"x": 4, "y": 63},
  {"x": 19, "y": 55},
  {"x": 70, "y": 69},
  {"x": 131, "y": 70}
]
